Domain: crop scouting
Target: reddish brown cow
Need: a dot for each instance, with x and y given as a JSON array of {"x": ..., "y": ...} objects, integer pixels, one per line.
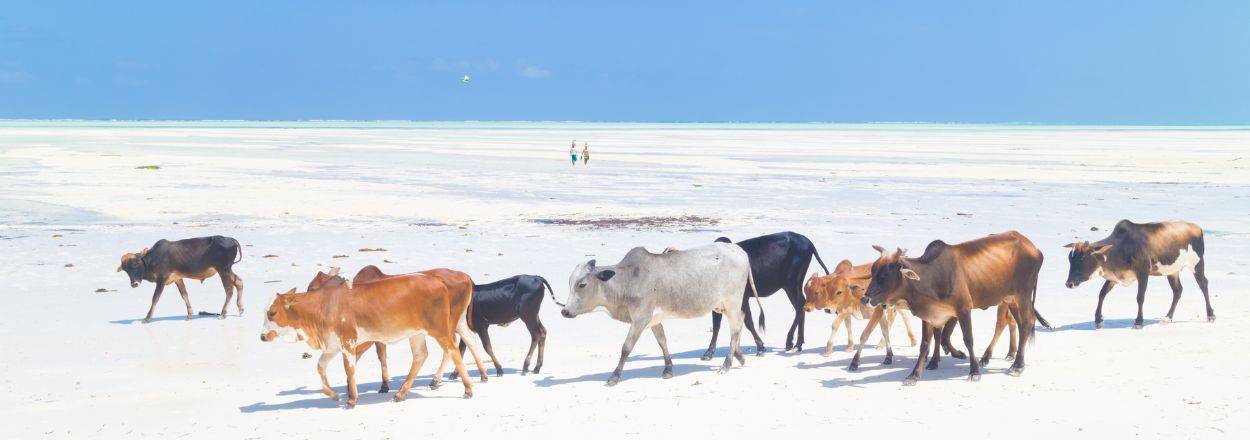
[
  {"x": 338, "y": 318},
  {"x": 841, "y": 292},
  {"x": 948, "y": 281}
]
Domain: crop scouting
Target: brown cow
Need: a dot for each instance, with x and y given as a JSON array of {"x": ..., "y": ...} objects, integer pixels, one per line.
[
  {"x": 338, "y": 318},
  {"x": 948, "y": 281},
  {"x": 1138, "y": 251},
  {"x": 841, "y": 293}
]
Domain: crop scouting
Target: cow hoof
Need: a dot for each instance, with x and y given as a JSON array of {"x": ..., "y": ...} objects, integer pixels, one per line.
[
  {"x": 910, "y": 381},
  {"x": 498, "y": 373},
  {"x": 536, "y": 370},
  {"x": 888, "y": 360},
  {"x": 931, "y": 366},
  {"x": 435, "y": 385},
  {"x": 1211, "y": 318},
  {"x": 398, "y": 398},
  {"x": 1137, "y": 326},
  {"x": 974, "y": 377},
  {"x": 668, "y": 373},
  {"x": 1166, "y": 320},
  {"x": 1010, "y": 357},
  {"x": 468, "y": 394},
  {"x": 349, "y": 404},
  {"x": 147, "y": 320},
  {"x": 707, "y": 355},
  {"x": 612, "y": 381},
  {"x": 958, "y": 354},
  {"x": 384, "y": 389},
  {"x": 1098, "y": 325},
  {"x": 222, "y": 316},
  {"x": 827, "y": 353},
  {"x": 985, "y": 362},
  {"x": 852, "y": 367},
  {"x": 848, "y": 349},
  {"x": 1015, "y": 371}
]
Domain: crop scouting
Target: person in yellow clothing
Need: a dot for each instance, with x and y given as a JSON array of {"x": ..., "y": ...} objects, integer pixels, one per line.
[{"x": 585, "y": 153}]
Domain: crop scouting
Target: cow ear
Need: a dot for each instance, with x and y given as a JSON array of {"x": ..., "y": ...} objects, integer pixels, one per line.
[
  {"x": 909, "y": 274},
  {"x": 1102, "y": 249},
  {"x": 605, "y": 275},
  {"x": 878, "y": 248},
  {"x": 1070, "y": 245},
  {"x": 144, "y": 251},
  {"x": 591, "y": 264}
]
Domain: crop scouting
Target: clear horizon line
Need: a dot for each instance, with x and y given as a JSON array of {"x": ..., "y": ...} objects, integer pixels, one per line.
[{"x": 1010, "y": 123}]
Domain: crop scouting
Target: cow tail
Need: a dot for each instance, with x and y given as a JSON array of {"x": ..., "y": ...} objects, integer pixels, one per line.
[
  {"x": 240, "y": 250},
  {"x": 819, "y": 261},
  {"x": 756, "y": 294},
  {"x": 468, "y": 311},
  {"x": 551, "y": 291}
]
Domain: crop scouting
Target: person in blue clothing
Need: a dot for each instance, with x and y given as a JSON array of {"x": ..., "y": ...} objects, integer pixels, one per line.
[{"x": 573, "y": 153}]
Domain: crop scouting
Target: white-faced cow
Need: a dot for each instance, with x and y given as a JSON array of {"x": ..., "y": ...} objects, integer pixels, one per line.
[
  {"x": 169, "y": 262},
  {"x": 778, "y": 262},
  {"x": 1137, "y": 251},
  {"x": 948, "y": 281},
  {"x": 645, "y": 289}
]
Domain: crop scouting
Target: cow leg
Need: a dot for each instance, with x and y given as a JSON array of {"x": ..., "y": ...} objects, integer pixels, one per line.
[
  {"x": 965, "y": 327},
  {"x": 322, "y": 361},
  {"x": 380, "y": 348},
  {"x": 750, "y": 324},
  {"x": 999, "y": 323},
  {"x": 227, "y": 284},
  {"x": 419, "y": 354},
  {"x": 1015, "y": 338},
  {"x": 182, "y": 290},
  {"x": 850, "y": 341},
  {"x": 795, "y": 293},
  {"x": 711, "y": 347},
  {"x": 538, "y": 338},
  {"x": 490, "y": 350},
  {"x": 349, "y": 367},
  {"x": 156, "y": 296},
  {"x": 833, "y": 332},
  {"x": 936, "y": 335},
  {"x": 1023, "y": 315},
  {"x": 635, "y": 330},
  {"x": 1175, "y": 281},
  {"x": 453, "y": 375},
  {"x": 907, "y": 325},
  {"x": 887, "y": 318},
  {"x": 1200, "y": 275},
  {"x": 238, "y": 292},
  {"x": 946, "y": 340},
  {"x": 1142, "y": 278},
  {"x": 1102, "y": 294},
  {"x": 926, "y": 333},
  {"x": 735, "y": 342},
  {"x": 658, "y": 329},
  {"x": 448, "y": 344},
  {"x": 466, "y": 336},
  {"x": 878, "y": 314},
  {"x": 885, "y": 335}
]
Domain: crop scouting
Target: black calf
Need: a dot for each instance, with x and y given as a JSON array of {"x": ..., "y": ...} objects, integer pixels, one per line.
[{"x": 504, "y": 301}]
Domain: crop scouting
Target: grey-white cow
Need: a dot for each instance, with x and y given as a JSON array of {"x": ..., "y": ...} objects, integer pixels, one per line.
[{"x": 645, "y": 289}]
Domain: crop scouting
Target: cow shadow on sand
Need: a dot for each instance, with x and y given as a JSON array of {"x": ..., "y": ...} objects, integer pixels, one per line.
[
  {"x": 652, "y": 372},
  {"x": 698, "y": 354},
  {"x": 1106, "y": 324},
  {"x": 872, "y": 371},
  {"x": 369, "y": 395},
  {"x": 164, "y": 318}
]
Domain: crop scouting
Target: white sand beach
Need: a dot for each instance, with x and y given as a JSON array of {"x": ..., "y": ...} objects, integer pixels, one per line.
[{"x": 479, "y": 197}]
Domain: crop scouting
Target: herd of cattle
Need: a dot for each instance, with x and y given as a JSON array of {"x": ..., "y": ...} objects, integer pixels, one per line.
[{"x": 941, "y": 287}]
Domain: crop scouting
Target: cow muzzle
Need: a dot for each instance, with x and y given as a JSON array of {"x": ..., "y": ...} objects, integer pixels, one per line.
[
  {"x": 1071, "y": 285},
  {"x": 134, "y": 284},
  {"x": 867, "y": 301},
  {"x": 566, "y": 313},
  {"x": 268, "y": 336}
]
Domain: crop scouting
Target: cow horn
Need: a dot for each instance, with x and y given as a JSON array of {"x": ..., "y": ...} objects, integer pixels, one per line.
[
  {"x": 879, "y": 249},
  {"x": 902, "y": 251}
]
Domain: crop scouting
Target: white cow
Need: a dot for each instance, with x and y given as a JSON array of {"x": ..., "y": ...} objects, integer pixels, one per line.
[{"x": 645, "y": 289}]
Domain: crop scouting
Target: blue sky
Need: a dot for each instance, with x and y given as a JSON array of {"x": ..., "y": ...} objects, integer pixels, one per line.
[{"x": 1055, "y": 61}]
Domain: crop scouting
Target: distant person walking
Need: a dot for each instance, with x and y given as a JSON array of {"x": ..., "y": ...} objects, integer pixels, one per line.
[
  {"x": 573, "y": 153},
  {"x": 585, "y": 153}
]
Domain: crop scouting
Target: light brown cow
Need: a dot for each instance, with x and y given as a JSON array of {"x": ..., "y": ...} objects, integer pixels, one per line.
[
  {"x": 339, "y": 318},
  {"x": 841, "y": 292}
]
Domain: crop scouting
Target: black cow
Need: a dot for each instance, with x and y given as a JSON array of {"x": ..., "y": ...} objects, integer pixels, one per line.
[
  {"x": 1137, "y": 251},
  {"x": 501, "y": 303},
  {"x": 778, "y": 262},
  {"x": 169, "y": 262}
]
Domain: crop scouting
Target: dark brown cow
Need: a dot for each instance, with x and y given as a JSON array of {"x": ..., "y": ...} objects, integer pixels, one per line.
[
  {"x": 1137, "y": 251},
  {"x": 169, "y": 262},
  {"x": 948, "y": 281},
  {"x": 339, "y": 318}
]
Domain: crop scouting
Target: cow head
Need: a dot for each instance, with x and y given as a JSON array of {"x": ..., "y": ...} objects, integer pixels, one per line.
[
  {"x": 588, "y": 287},
  {"x": 134, "y": 267},
  {"x": 1084, "y": 261},
  {"x": 892, "y": 276},
  {"x": 833, "y": 291},
  {"x": 281, "y": 317}
]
